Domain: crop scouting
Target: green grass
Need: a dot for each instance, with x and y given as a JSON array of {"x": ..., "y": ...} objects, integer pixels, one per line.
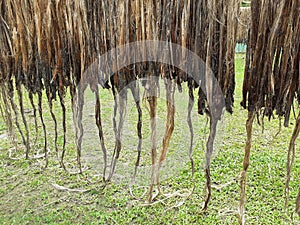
[
  {"x": 245, "y": 4},
  {"x": 27, "y": 195}
]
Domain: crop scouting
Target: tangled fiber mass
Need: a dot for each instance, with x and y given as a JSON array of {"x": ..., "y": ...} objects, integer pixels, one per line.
[{"x": 47, "y": 47}]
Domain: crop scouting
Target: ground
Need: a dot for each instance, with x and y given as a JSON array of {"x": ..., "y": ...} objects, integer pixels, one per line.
[{"x": 30, "y": 194}]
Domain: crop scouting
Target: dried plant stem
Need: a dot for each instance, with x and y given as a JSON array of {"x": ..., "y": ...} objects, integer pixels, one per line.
[
  {"x": 55, "y": 126},
  {"x": 40, "y": 109},
  {"x": 7, "y": 112},
  {"x": 34, "y": 116},
  {"x": 249, "y": 124},
  {"x": 208, "y": 156},
  {"x": 16, "y": 116},
  {"x": 100, "y": 131},
  {"x": 291, "y": 159},
  {"x": 152, "y": 99},
  {"x": 64, "y": 125},
  {"x": 170, "y": 91},
  {"x": 190, "y": 124},
  {"x": 120, "y": 106},
  {"x": 136, "y": 95},
  {"x": 80, "y": 130}
]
